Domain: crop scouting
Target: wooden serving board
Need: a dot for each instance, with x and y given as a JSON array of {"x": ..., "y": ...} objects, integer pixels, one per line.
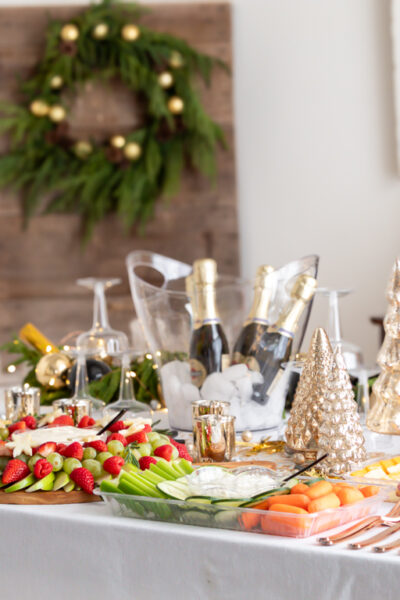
[
  {"x": 239, "y": 463},
  {"x": 59, "y": 497}
]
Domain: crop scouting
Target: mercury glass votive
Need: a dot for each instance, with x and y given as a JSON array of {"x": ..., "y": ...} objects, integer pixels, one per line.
[
  {"x": 214, "y": 438},
  {"x": 74, "y": 408},
  {"x": 21, "y": 401}
]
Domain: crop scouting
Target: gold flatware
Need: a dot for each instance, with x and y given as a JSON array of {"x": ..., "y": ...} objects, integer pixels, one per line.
[{"x": 391, "y": 546}]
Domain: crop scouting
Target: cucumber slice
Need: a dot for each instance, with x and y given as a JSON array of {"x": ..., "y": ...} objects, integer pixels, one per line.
[
  {"x": 22, "y": 484},
  {"x": 231, "y": 501},
  {"x": 197, "y": 517},
  {"x": 261, "y": 497},
  {"x": 226, "y": 519},
  {"x": 44, "y": 485},
  {"x": 313, "y": 480},
  {"x": 292, "y": 482},
  {"x": 200, "y": 499},
  {"x": 174, "y": 490}
]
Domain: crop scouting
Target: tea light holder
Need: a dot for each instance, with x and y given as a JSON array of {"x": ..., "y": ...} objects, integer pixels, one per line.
[
  {"x": 210, "y": 407},
  {"x": 21, "y": 401},
  {"x": 214, "y": 438},
  {"x": 74, "y": 408}
]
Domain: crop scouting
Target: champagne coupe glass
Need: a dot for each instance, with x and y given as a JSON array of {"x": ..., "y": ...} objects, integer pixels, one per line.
[
  {"x": 101, "y": 339},
  {"x": 81, "y": 397},
  {"x": 126, "y": 399}
]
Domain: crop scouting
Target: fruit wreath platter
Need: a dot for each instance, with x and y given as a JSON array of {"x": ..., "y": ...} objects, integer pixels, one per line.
[{"x": 145, "y": 474}]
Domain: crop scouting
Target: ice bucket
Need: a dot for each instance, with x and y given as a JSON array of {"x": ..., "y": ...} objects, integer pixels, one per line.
[{"x": 158, "y": 290}]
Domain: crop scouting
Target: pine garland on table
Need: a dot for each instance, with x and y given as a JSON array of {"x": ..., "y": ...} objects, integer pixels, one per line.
[{"x": 127, "y": 173}]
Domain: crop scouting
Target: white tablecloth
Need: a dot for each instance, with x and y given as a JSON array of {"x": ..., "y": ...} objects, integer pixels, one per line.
[{"x": 83, "y": 552}]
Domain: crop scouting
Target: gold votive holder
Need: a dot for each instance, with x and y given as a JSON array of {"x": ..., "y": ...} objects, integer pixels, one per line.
[
  {"x": 74, "y": 408},
  {"x": 214, "y": 438},
  {"x": 21, "y": 401},
  {"x": 210, "y": 407}
]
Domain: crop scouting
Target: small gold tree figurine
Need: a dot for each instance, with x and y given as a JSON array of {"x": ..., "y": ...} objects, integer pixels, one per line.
[
  {"x": 302, "y": 433},
  {"x": 340, "y": 434},
  {"x": 384, "y": 415}
]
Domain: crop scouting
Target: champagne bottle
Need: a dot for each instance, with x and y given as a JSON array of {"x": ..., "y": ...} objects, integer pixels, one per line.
[
  {"x": 209, "y": 350},
  {"x": 247, "y": 344},
  {"x": 191, "y": 294},
  {"x": 55, "y": 369},
  {"x": 276, "y": 343}
]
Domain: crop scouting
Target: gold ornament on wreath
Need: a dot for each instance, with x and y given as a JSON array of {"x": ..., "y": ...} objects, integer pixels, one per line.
[{"x": 153, "y": 154}]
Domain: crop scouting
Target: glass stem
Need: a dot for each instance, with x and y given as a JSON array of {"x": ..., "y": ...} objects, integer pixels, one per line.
[
  {"x": 126, "y": 390},
  {"x": 100, "y": 315},
  {"x": 81, "y": 378},
  {"x": 335, "y": 334}
]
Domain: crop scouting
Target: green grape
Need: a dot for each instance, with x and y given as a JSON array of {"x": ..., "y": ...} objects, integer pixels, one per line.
[
  {"x": 115, "y": 447},
  {"x": 94, "y": 467},
  {"x": 70, "y": 464},
  {"x": 89, "y": 453},
  {"x": 56, "y": 460},
  {"x": 145, "y": 449},
  {"x": 102, "y": 457},
  {"x": 153, "y": 436}
]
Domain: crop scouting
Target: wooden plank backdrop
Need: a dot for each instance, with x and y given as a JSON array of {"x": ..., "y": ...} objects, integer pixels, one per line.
[{"x": 39, "y": 266}]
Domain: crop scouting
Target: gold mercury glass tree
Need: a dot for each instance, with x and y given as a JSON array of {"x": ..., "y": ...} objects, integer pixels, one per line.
[
  {"x": 302, "y": 433},
  {"x": 384, "y": 415},
  {"x": 340, "y": 434}
]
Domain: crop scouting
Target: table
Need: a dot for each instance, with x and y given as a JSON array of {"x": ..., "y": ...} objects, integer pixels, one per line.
[{"x": 83, "y": 552}]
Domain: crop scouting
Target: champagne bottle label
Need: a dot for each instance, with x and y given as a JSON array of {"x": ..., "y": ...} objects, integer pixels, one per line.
[
  {"x": 198, "y": 372},
  {"x": 238, "y": 358}
]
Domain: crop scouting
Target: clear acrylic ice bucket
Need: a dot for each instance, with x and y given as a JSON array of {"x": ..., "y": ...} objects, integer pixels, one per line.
[{"x": 158, "y": 290}]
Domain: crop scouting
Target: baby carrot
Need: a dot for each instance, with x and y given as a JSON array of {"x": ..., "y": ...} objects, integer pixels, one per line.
[
  {"x": 299, "y": 488},
  {"x": 349, "y": 496},
  {"x": 369, "y": 490},
  {"x": 288, "y": 508},
  {"x": 324, "y": 502},
  {"x": 249, "y": 520},
  {"x": 318, "y": 489},
  {"x": 340, "y": 486},
  {"x": 300, "y": 500}
]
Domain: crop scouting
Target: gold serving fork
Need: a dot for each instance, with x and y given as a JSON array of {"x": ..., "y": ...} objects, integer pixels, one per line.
[
  {"x": 393, "y": 526},
  {"x": 361, "y": 526}
]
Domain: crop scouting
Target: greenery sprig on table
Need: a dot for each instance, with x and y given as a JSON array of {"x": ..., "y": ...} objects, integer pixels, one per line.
[
  {"x": 127, "y": 173},
  {"x": 107, "y": 388}
]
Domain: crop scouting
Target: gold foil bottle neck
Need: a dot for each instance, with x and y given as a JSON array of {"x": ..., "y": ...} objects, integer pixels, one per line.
[
  {"x": 205, "y": 271},
  {"x": 30, "y": 334},
  {"x": 304, "y": 288},
  {"x": 262, "y": 275}
]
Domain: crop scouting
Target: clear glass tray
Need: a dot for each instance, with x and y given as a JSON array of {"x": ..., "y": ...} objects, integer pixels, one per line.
[
  {"x": 364, "y": 479},
  {"x": 239, "y": 519}
]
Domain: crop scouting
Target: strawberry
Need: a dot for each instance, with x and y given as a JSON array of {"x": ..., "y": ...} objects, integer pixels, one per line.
[
  {"x": 140, "y": 437},
  {"x": 62, "y": 420},
  {"x": 164, "y": 451},
  {"x": 84, "y": 479},
  {"x": 74, "y": 450},
  {"x": 14, "y": 471},
  {"x": 145, "y": 462},
  {"x": 42, "y": 468},
  {"x": 119, "y": 437},
  {"x": 19, "y": 426},
  {"x": 86, "y": 421},
  {"x": 113, "y": 464},
  {"x": 183, "y": 452},
  {"x": 98, "y": 445},
  {"x": 46, "y": 448},
  {"x": 117, "y": 426},
  {"x": 60, "y": 448},
  {"x": 147, "y": 428},
  {"x": 29, "y": 421}
]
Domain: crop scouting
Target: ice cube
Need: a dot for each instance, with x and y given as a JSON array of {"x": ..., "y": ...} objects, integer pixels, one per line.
[{"x": 217, "y": 387}]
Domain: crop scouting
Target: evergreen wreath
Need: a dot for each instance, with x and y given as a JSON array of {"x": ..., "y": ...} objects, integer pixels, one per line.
[{"x": 125, "y": 174}]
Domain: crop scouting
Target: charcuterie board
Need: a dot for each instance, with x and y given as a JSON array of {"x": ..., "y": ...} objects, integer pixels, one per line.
[{"x": 59, "y": 497}]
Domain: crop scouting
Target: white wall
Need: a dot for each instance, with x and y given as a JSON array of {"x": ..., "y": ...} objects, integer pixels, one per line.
[{"x": 315, "y": 144}]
